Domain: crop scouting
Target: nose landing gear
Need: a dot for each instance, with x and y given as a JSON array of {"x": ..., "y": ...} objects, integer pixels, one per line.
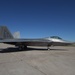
[{"x": 48, "y": 48}]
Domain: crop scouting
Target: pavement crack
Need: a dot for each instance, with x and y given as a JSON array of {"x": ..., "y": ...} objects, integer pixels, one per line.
[{"x": 36, "y": 68}]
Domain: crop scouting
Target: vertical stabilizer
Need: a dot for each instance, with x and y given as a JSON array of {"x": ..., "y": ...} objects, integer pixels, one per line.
[{"x": 5, "y": 33}]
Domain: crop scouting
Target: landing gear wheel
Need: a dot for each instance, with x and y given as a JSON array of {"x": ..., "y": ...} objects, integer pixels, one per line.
[
  {"x": 25, "y": 47},
  {"x": 48, "y": 49},
  {"x": 22, "y": 47}
]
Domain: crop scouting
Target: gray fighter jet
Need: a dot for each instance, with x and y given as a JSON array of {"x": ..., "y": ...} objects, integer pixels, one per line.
[{"x": 6, "y": 37}]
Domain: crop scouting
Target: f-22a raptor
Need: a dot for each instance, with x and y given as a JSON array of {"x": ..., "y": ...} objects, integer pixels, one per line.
[{"x": 6, "y": 37}]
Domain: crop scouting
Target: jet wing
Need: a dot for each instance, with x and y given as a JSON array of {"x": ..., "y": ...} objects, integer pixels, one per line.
[
  {"x": 27, "y": 42},
  {"x": 34, "y": 42}
]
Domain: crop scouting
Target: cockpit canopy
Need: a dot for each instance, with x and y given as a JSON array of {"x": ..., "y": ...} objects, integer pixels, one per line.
[{"x": 56, "y": 37}]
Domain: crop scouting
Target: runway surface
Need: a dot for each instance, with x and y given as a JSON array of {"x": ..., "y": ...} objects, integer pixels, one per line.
[{"x": 37, "y": 61}]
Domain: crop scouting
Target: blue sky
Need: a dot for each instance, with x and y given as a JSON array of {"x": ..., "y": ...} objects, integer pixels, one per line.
[{"x": 39, "y": 18}]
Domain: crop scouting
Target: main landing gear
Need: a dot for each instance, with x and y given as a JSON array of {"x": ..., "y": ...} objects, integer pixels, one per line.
[{"x": 22, "y": 47}]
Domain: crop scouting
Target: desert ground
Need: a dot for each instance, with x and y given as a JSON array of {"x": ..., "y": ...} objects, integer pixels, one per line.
[{"x": 60, "y": 60}]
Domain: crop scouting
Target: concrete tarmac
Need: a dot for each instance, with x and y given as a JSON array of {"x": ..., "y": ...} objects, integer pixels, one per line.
[{"x": 37, "y": 61}]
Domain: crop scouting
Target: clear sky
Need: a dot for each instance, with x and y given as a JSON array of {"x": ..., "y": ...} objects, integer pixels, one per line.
[{"x": 39, "y": 18}]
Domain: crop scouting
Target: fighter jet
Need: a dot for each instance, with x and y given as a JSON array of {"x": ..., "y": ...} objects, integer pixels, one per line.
[{"x": 6, "y": 37}]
